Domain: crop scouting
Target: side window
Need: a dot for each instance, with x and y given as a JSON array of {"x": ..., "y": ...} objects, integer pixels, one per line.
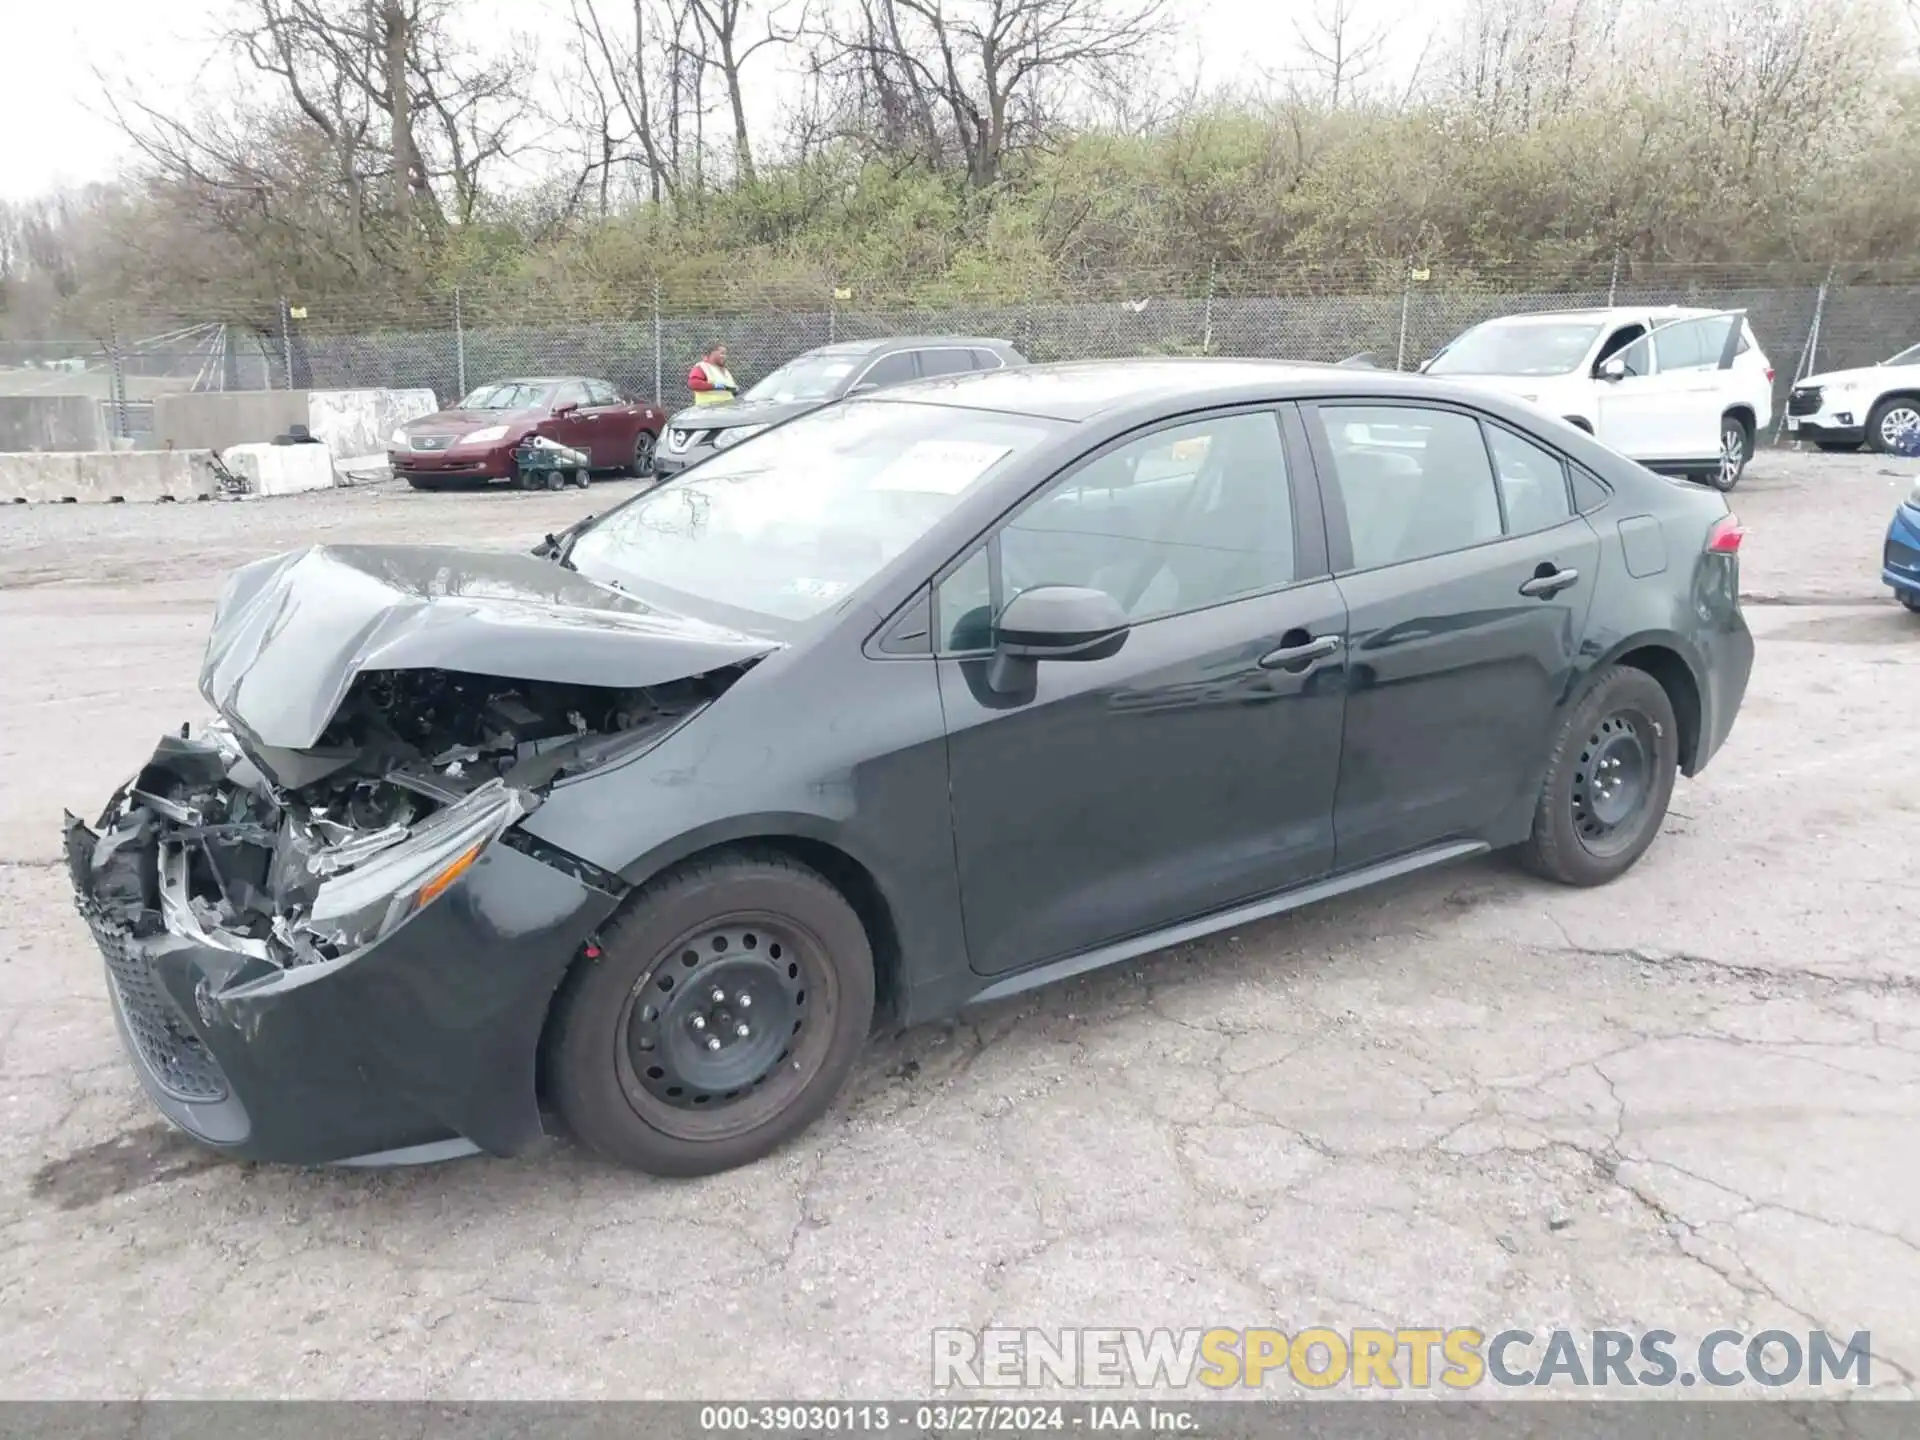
[
  {"x": 986, "y": 360},
  {"x": 1692, "y": 344},
  {"x": 1638, "y": 357},
  {"x": 1533, "y": 482},
  {"x": 1588, "y": 492},
  {"x": 1178, "y": 520},
  {"x": 1416, "y": 482},
  {"x": 572, "y": 393},
  {"x": 965, "y": 606},
  {"x": 1617, "y": 342},
  {"x": 601, "y": 393},
  {"x": 945, "y": 362},
  {"x": 891, "y": 370}
]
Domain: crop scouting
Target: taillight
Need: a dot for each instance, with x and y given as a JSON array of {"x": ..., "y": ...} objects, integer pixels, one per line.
[
  {"x": 1769, "y": 374},
  {"x": 1726, "y": 535}
]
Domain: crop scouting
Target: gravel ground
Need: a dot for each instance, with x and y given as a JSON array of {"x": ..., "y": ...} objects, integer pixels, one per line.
[{"x": 1683, "y": 1102}]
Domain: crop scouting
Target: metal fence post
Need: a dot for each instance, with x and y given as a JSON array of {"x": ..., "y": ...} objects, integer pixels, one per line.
[
  {"x": 1406, "y": 306},
  {"x": 1206, "y": 324},
  {"x": 459, "y": 343},
  {"x": 117, "y": 377},
  {"x": 286, "y": 339},
  {"x": 1613, "y": 280},
  {"x": 659, "y": 387}
]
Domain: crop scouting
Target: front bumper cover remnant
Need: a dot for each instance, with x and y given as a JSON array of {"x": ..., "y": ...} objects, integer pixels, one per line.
[{"x": 425, "y": 1038}]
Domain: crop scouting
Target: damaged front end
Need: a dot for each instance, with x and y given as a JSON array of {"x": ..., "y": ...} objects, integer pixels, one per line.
[{"x": 227, "y": 878}]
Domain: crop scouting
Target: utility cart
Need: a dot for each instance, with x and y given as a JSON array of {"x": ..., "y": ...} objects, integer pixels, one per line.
[{"x": 544, "y": 464}]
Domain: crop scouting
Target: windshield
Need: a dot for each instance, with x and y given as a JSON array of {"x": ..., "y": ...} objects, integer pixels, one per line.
[
  {"x": 810, "y": 377},
  {"x": 508, "y": 395},
  {"x": 1517, "y": 347},
  {"x": 1909, "y": 356},
  {"x": 787, "y": 523}
]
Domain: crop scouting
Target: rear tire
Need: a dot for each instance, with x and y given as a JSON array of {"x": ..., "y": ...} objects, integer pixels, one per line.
[
  {"x": 653, "y": 1072},
  {"x": 1736, "y": 449},
  {"x": 1609, "y": 780}
]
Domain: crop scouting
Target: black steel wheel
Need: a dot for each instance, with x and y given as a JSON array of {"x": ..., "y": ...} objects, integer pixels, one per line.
[
  {"x": 1910, "y": 599},
  {"x": 1609, "y": 779},
  {"x": 714, "y": 1018},
  {"x": 556, "y": 479},
  {"x": 643, "y": 446}
]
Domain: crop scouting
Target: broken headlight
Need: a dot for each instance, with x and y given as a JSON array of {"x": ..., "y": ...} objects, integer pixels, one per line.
[{"x": 367, "y": 903}]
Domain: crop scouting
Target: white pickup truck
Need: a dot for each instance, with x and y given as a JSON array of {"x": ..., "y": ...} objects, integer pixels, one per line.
[{"x": 1680, "y": 390}]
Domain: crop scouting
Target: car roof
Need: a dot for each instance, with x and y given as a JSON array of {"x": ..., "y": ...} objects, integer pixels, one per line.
[
  {"x": 1087, "y": 389},
  {"x": 1599, "y": 314},
  {"x": 532, "y": 380},
  {"x": 890, "y": 343}
]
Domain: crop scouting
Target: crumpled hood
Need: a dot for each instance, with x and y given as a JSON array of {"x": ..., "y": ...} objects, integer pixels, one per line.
[
  {"x": 291, "y": 632},
  {"x": 741, "y": 412}
]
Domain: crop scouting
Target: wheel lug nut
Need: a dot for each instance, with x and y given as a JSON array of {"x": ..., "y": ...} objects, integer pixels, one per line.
[
  {"x": 742, "y": 1031},
  {"x": 719, "y": 997},
  {"x": 743, "y": 1000},
  {"x": 699, "y": 1022},
  {"x": 713, "y": 1042}
]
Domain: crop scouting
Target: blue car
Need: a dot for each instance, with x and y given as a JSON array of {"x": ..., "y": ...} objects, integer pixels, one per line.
[{"x": 1900, "y": 563}]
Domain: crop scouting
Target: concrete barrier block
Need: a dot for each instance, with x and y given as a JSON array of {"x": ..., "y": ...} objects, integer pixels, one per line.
[
  {"x": 56, "y": 423},
  {"x": 281, "y": 469},
  {"x": 356, "y": 423},
  {"x": 215, "y": 420},
  {"x": 101, "y": 478}
]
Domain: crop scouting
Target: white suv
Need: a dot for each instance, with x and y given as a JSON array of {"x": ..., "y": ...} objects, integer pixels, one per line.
[
  {"x": 1841, "y": 408},
  {"x": 1676, "y": 389}
]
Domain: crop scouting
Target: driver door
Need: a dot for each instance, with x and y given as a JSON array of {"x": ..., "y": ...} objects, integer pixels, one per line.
[
  {"x": 1662, "y": 397},
  {"x": 1196, "y": 767}
]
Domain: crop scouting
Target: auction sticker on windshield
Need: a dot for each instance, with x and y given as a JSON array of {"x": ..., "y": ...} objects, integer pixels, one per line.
[{"x": 939, "y": 467}]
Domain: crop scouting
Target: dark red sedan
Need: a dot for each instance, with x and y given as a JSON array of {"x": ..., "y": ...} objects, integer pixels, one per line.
[{"x": 475, "y": 439}]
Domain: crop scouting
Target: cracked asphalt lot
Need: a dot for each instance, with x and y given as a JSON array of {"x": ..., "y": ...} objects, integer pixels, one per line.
[{"x": 1688, "y": 1101}]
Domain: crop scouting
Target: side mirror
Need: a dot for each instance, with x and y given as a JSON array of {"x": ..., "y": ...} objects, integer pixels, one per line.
[
  {"x": 1054, "y": 622},
  {"x": 864, "y": 387},
  {"x": 1614, "y": 367}
]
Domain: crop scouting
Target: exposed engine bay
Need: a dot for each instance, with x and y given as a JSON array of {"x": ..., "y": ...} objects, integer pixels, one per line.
[{"x": 301, "y": 857}]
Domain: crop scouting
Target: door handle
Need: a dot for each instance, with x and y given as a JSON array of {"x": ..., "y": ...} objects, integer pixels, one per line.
[
  {"x": 1288, "y": 656},
  {"x": 1545, "y": 586}
]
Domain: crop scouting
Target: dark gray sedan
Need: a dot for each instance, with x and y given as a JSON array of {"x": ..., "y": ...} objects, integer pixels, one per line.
[
  {"x": 920, "y": 700},
  {"x": 819, "y": 377}
]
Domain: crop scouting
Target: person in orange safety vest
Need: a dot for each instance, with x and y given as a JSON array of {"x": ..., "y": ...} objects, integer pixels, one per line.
[{"x": 710, "y": 380}]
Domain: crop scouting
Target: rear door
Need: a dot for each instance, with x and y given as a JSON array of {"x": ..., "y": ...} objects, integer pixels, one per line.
[
  {"x": 1667, "y": 408},
  {"x": 1467, "y": 576}
]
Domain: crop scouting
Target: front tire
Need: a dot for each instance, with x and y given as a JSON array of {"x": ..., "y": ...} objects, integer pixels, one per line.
[
  {"x": 1896, "y": 417},
  {"x": 643, "y": 448},
  {"x": 724, "y": 1009},
  {"x": 1609, "y": 780}
]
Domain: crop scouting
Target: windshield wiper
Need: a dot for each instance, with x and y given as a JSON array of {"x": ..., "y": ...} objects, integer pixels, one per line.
[{"x": 559, "y": 548}]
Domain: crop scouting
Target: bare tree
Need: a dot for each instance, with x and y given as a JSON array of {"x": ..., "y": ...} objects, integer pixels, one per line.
[
  {"x": 728, "y": 51},
  {"x": 983, "y": 77},
  {"x": 1514, "y": 63},
  {"x": 1342, "y": 53}
]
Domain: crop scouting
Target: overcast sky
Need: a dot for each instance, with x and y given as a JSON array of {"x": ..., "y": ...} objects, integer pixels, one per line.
[{"x": 55, "y": 130}]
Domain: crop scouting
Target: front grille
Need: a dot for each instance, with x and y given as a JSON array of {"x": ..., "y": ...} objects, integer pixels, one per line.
[
  {"x": 1805, "y": 400},
  {"x": 432, "y": 442},
  {"x": 1902, "y": 557},
  {"x": 179, "y": 1062}
]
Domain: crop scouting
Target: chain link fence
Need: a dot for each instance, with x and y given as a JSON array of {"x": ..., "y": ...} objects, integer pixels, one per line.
[{"x": 643, "y": 339}]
